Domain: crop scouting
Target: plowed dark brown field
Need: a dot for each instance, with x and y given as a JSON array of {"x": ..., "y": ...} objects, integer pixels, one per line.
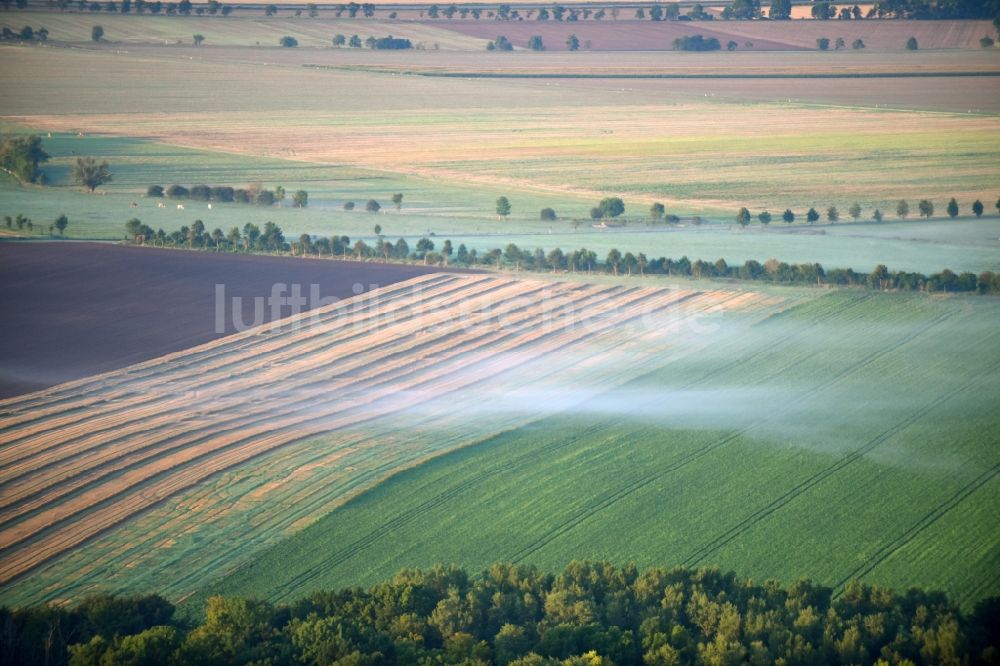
[{"x": 70, "y": 310}]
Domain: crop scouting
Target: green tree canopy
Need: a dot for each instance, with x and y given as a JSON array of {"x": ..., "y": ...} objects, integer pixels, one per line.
[
  {"x": 611, "y": 207},
  {"x": 90, "y": 173},
  {"x": 503, "y": 207}
]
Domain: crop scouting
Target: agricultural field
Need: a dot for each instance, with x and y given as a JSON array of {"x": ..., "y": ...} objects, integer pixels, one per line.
[
  {"x": 144, "y": 303},
  {"x": 429, "y": 414},
  {"x": 151, "y": 473},
  {"x": 837, "y": 439}
]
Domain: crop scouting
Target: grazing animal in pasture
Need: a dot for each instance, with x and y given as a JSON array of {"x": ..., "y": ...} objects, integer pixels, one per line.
[
  {"x": 180, "y": 206},
  {"x": 161, "y": 205},
  {"x": 210, "y": 206},
  {"x": 133, "y": 205}
]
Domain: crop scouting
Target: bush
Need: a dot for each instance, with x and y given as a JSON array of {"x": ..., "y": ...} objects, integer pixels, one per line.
[
  {"x": 823, "y": 44},
  {"x": 349, "y": 205},
  {"x": 391, "y": 43},
  {"x": 696, "y": 43},
  {"x": 911, "y": 44},
  {"x": 547, "y": 214},
  {"x": 288, "y": 42},
  {"x": 200, "y": 192},
  {"x": 177, "y": 192},
  {"x": 154, "y": 191},
  {"x": 986, "y": 42}
]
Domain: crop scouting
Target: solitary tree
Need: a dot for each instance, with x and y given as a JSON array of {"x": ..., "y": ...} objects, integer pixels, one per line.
[
  {"x": 611, "y": 207},
  {"x": 503, "y": 207},
  {"x": 300, "y": 199},
  {"x": 348, "y": 205},
  {"x": 877, "y": 215},
  {"x": 823, "y": 43},
  {"x": 373, "y": 206},
  {"x": 926, "y": 208},
  {"x": 656, "y": 211},
  {"x": 61, "y": 223},
  {"x": 339, "y": 40},
  {"x": 858, "y": 44},
  {"x": 854, "y": 211},
  {"x": 547, "y": 214},
  {"x": 536, "y": 44},
  {"x": 911, "y": 44},
  {"x": 90, "y": 174},
  {"x": 97, "y": 33},
  {"x": 952, "y": 208},
  {"x": 832, "y": 214},
  {"x": 743, "y": 217},
  {"x": 288, "y": 42},
  {"x": 572, "y": 43},
  {"x": 397, "y": 199},
  {"x": 902, "y": 209},
  {"x": 788, "y": 216},
  {"x": 198, "y": 39},
  {"x": 977, "y": 208},
  {"x": 812, "y": 215},
  {"x": 764, "y": 217},
  {"x": 270, "y": 10}
]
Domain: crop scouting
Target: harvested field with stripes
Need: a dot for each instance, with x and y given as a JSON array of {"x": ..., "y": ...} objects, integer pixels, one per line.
[{"x": 253, "y": 436}]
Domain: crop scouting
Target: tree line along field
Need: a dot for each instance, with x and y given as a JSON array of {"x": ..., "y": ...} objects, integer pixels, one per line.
[
  {"x": 465, "y": 214},
  {"x": 250, "y": 27},
  {"x": 146, "y": 476},
  {"x": 850, "y": 436}
]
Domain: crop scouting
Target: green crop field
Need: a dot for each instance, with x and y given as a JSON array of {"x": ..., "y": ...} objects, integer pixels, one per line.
[{"x": 852, "y": 436}]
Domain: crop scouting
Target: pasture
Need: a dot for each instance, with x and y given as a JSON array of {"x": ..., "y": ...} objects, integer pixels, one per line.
[{"x": 850, "y": 436}]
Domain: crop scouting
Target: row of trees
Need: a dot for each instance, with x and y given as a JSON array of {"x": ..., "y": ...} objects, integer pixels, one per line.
[
  {"x": 252, "y": 194},
  {"x": 377, "y": 43},
  {"x": 271, "y": 239},
  {"x": 924, "y": 207},
  {"x": 591, "y": 614},
  {"x": 823, "y": 44},
  {"x": 181, "y": 8},
  {"x": 20, "y": 222},
  {"x": 25, "y": 34}
]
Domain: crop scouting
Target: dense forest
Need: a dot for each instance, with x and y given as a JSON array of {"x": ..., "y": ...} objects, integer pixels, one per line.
[{"x": 593, "y": 613}]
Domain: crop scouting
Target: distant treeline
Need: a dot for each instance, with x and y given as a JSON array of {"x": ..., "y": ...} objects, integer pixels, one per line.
[
  {"x": 253, "y": 194},
  {"x": 272, "y": 239},
  {"x": 670, "y": 11},
  {"x": 592, "y": 614}
]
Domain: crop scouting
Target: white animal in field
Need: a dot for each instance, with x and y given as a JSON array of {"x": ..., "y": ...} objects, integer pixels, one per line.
[
  {"x": 210, "y": 206},
  {"x": 180, "y": 206},
  {"x": 161, "y": 205}
]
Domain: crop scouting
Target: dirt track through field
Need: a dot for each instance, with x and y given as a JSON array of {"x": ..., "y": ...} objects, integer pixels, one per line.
[{"x": 85, "y": 457}]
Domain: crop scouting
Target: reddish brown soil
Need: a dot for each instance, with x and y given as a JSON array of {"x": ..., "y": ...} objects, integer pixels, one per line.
[{"x": 70, "y": 310}]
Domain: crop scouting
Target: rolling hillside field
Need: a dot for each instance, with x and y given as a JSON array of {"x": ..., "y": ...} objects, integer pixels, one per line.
[
  {"x": 851, "y": 436},
  {"x": 146, "y": 476}
]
